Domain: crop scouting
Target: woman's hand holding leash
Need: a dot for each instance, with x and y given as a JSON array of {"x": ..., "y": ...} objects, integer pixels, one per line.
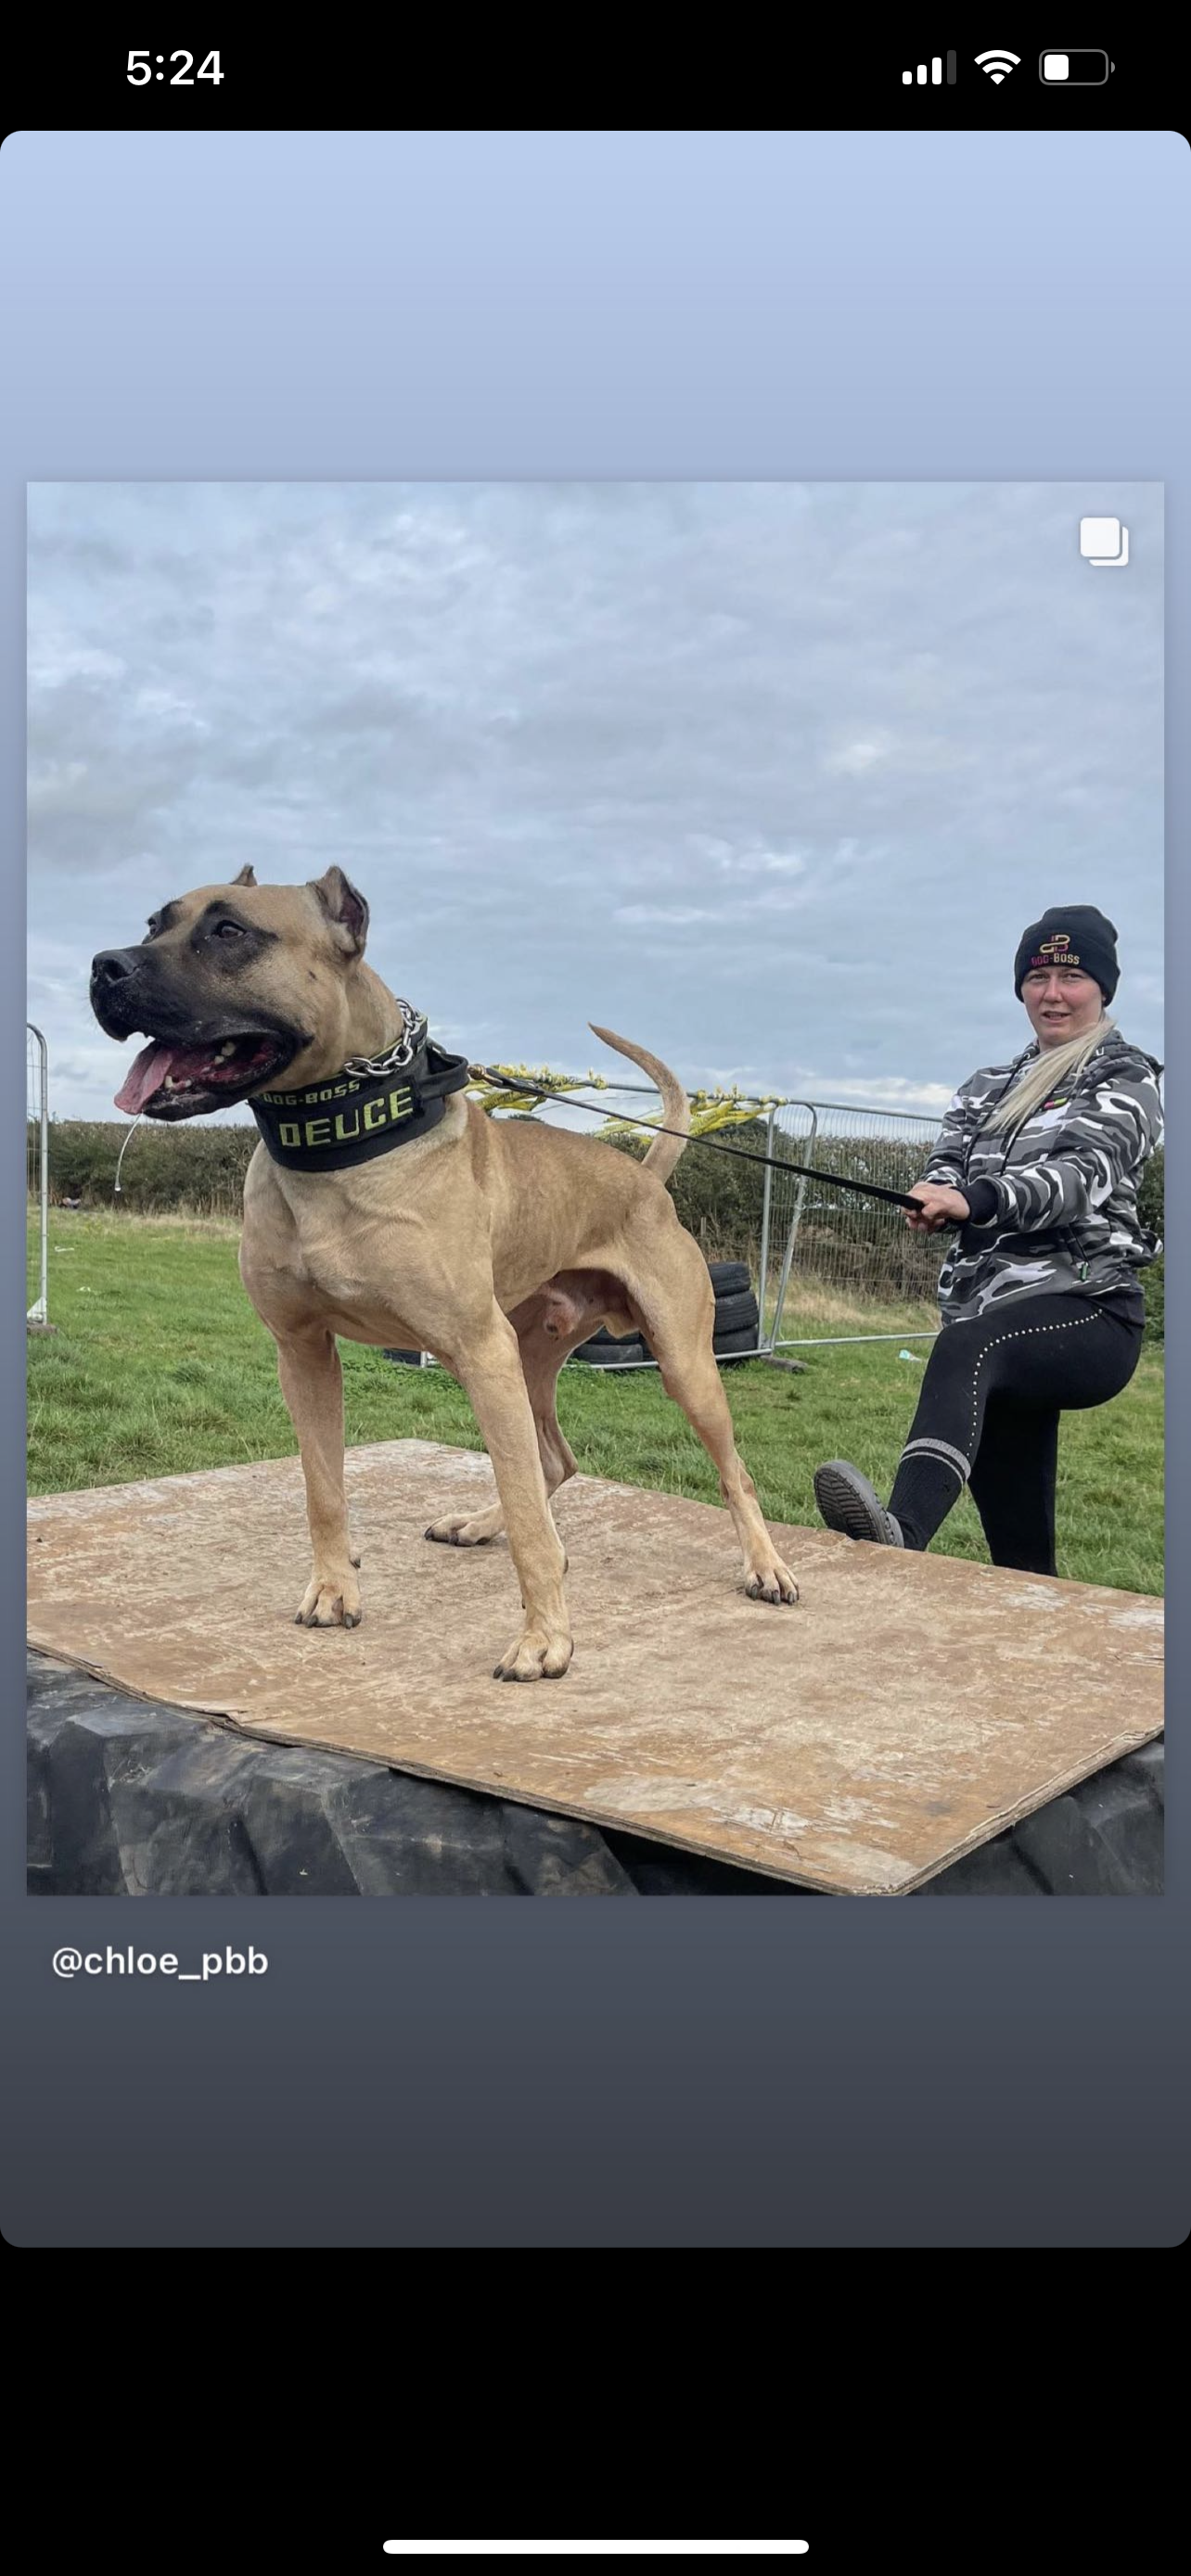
[{"x": 939, "y": 1207}]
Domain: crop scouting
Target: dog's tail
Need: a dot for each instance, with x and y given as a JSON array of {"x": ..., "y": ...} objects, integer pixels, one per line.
[{"x": 676, "y": 1108}]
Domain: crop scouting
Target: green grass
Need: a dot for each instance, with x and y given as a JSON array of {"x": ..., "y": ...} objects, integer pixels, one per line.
[{"x": 160, "y": 1366}]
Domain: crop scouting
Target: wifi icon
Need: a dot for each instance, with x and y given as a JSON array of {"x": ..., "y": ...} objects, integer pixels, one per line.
[{"x": 997, "y": 63}]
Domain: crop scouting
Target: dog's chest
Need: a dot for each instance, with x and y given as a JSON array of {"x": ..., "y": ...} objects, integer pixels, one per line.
[
  {"x": 361, "y": 1280},
  {"x": 326, "y": 1284}
]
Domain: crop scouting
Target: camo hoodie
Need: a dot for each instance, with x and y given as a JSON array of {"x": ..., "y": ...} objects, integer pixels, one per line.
[{"x": 1054, "y": 1206}]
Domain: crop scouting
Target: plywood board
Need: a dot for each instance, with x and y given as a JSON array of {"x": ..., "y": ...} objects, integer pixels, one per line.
[{"x": 909, "y": 1708}]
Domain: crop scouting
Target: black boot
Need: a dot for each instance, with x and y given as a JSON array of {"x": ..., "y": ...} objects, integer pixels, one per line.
[{"x": 847, "y": 1502}]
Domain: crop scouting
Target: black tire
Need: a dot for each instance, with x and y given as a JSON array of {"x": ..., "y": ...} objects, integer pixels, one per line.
[
  {"x": 733, "y": 1346},
  {"x": 408, "y": 1359},
  {"x": 728, "y": 1278},
  {"x": 111, "y": 1777},
  {"x": 1103, "y": 1838},
  {"x": 604, "y": 1352},
  {"x": 737, "y": 1314}
]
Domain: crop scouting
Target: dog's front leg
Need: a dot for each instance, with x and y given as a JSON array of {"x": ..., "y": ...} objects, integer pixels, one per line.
[
  {"x": 312, "y": 1384},
  {"x": 491, "y": 1373}
]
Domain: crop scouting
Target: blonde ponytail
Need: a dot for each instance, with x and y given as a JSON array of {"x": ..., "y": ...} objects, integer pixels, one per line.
[{"x": 1046, "y": 1073}]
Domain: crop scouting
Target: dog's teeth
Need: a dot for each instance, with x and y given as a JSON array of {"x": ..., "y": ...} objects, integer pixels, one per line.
[{"x": 228, "y": 1047}]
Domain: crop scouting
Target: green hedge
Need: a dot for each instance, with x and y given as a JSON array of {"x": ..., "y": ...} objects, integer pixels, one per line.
[
  {"x": 1151, "y": 1201},
  {"x": 202, "y": 1168},
  {"x": 719, "y": 1199},
  {"x": 197, "y": 1168}
]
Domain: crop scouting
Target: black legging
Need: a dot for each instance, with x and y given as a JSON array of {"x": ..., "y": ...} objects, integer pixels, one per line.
[{"x": 988, "y": 1414}]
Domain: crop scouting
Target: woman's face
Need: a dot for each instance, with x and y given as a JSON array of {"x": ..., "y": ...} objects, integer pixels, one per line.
[{"x": 1062, "y": 1002}]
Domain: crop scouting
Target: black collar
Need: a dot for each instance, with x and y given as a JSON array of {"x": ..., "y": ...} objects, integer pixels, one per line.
[{"x": 371, "y": 1105}]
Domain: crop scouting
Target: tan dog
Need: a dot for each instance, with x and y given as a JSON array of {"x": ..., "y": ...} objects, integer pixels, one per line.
[{"x": 498, "y": 1246}]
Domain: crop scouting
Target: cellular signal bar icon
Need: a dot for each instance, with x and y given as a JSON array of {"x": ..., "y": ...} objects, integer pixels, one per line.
[{"x": 934, "y": 74}]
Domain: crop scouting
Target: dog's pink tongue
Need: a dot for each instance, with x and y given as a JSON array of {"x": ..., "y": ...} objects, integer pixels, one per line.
[{"x": 145, "y": 1077}]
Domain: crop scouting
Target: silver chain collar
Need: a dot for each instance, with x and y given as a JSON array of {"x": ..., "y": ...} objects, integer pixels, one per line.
[{"x": 401, "y": 1053}]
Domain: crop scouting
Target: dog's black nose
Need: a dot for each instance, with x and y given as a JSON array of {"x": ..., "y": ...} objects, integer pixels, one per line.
[{"x": 111, "y": 967}]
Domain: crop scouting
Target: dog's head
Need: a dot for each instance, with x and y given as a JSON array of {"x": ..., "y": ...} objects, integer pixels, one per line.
[{"x": 233, "y": 985}]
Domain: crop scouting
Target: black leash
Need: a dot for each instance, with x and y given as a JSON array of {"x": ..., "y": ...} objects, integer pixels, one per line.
[{"x": 650, "y": 1127}]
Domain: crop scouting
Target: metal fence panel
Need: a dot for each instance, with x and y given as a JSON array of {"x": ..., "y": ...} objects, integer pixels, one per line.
[
  {"x": 37, "y": 1134},
  {"x": 793, "y": 1126},
  {"x": 829, "y": 1260},
  {"x": 844, "y": 1250}
]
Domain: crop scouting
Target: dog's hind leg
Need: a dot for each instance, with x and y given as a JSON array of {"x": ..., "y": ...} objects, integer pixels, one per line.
[
  {"x": 541, "y": 1360},
  {"x": 677, "y": 1312},
  {"x": 489, "y": 1367}
]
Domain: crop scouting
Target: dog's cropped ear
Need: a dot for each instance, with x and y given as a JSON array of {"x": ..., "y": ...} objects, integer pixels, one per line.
[
  {"x": 346, "y": 910},
  {"x": 247, "y": 875}
]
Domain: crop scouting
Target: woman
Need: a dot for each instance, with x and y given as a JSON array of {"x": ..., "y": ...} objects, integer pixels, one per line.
[{"x": 1038, "y": 1166}]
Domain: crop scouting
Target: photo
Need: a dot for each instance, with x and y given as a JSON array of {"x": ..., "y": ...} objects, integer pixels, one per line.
[{"x": 595, "y": 1124}]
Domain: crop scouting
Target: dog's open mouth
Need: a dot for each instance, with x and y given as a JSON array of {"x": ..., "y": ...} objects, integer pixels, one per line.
[{"x": 172, "y": 1081}]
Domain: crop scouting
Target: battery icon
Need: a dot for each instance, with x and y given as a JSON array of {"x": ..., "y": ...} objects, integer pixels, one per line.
[{"x": 1078, "y": 70}]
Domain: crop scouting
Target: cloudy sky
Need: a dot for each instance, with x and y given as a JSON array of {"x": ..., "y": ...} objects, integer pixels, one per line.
[{"x": 769, "y": 776}]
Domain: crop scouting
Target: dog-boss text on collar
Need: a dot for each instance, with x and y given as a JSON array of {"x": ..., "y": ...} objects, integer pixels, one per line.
[{"x": 348, "y": 1118}]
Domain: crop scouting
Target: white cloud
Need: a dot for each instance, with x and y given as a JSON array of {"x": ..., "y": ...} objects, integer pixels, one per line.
[
  {"x": 675, "y": 916},
  {"x": 888, "y": 1091},
  {"x": 764, "y": 769},
  {"x": 54, "y": 660},
  {"x": 851, "y": 759}
]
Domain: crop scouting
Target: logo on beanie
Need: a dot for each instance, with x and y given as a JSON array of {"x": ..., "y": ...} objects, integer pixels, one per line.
[{"x": 1056, "y": 951}]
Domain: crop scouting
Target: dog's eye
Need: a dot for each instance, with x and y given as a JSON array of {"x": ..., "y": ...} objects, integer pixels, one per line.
[
  {"x": 229, "y": 930},
  {"x": 152, "y": 925}
]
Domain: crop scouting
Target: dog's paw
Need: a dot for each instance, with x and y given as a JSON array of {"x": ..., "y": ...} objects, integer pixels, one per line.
[
  {"x": 539, "y": 1655},
  {"x": 330, "y": 1601},
  {"x": 771, "y": 1581},
  {"x": 467, "y": 1529}
]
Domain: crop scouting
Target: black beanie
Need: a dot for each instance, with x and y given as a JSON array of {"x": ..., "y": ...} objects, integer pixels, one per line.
[{"x": 1070, "y": 934}]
